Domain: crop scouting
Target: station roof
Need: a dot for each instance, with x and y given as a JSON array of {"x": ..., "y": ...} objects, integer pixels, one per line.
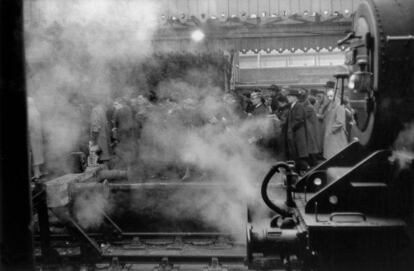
[{"x": 254, "y": 25}]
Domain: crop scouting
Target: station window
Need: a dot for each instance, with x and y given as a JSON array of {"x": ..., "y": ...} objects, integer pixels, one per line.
[
  {"x": 272, "y": 61},
  {"x": 331, "y": 59},
  {"x": 287, "y": 59},
  {"x": 301, "y": 60},
  {"x": 248, "y": 62}
]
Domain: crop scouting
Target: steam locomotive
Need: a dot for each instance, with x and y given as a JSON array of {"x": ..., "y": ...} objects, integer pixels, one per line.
[{"x": 354, "y": 211}]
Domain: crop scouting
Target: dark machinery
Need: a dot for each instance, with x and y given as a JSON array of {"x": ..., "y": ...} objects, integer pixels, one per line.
[{"x": 354, "y": 211}]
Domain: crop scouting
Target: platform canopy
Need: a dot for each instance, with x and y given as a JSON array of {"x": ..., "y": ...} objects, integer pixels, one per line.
[{"x": 254, "y": 25}]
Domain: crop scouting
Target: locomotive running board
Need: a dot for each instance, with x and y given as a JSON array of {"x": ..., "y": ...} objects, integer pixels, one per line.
[{"x": 347, "y": 157}]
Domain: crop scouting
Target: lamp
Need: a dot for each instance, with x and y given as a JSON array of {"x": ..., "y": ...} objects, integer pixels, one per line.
[
  {"x": 197, "y": 35},
  {"x": 361, "y": 80}
]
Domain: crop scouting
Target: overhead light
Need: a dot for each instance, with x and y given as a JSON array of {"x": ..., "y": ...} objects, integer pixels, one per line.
[
  {"x": 213, "y": 17},
  {"x": 253, "y": 16},
  {"x": 197, "y": 35},
  {"x": 233, "y": 15},
  {"x": 223, "y": 17},
  {"x": 326, "y": 12},
  {"x": 174, "y": 18},
  {"x": 346, "y": 11}
]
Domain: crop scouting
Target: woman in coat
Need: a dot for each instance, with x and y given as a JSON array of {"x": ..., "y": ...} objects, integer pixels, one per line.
[{"x": 335, "y": 138}]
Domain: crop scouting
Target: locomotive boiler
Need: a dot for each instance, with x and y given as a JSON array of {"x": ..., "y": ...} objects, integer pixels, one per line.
[{"x": 355, "y": 210}]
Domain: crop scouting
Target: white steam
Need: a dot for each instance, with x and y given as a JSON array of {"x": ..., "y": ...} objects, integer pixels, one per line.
[
  {"x": 204, "y": 133},
  {"x": 89, "y": 207},
  {"x": 403, "y": 152},
  {"x": 77, "y": 51},
  {"x": 70, "y": 46}
]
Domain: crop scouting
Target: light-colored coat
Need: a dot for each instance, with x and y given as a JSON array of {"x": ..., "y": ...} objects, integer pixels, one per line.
[
  {"x": 335, "y": 138},
  {"x": 320, "y": 108}
]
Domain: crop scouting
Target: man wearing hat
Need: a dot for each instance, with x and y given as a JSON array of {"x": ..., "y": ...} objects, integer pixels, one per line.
[
  {"x": 275, "y": 92},
  {"x": 335, "y": 138},
  {"x": 297, "y": 148},
  {"x": 321, "y": 107},
  {"x": 259, "y": 111},
  {"x": 259, "y": 108}
]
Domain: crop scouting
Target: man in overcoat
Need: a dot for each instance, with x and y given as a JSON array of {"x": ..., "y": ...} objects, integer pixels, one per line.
[
  {"x": 311, "y": 130},
  {"x": 297, "y": 149},
  {"x": 321, "y": 107},
  {"x": 335, "y": 127}
]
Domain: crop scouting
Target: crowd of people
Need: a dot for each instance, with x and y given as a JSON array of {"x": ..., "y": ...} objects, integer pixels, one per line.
[
  {"x": 306, "y": 126},
  {"x": 312, "y": 125}
]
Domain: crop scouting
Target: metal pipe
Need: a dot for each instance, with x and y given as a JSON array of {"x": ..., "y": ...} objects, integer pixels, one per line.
[
  {"x": 112, "y": 174},
  {"x": 268, "y": 177},
  {"x": 400, "y": 38}
]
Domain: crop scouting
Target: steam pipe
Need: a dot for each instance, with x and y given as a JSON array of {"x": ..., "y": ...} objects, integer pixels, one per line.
[
  {"x": 112, "y": 174},
  {"x": 265, "y": 184}
]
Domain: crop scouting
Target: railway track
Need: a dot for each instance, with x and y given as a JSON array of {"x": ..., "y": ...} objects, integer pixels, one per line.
[{"x": 149, "y": 251}]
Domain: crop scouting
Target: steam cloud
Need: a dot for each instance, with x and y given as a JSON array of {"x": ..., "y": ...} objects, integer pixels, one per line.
[
  {"x": 403, "y": 152},
  {"x": 89, "y": 206},
  {"x": 71, "y": 48},
  {"x": 221, "y": 152}
]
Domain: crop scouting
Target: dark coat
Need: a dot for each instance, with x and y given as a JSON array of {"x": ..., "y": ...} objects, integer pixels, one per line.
[
  {"x": 296, "y": 133},
  {"x": 273, "y": 104},
  {"x": 281, "y": 149},
  {"x": 261, "y": 110},
  {"x": 311, "y": 129}
]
